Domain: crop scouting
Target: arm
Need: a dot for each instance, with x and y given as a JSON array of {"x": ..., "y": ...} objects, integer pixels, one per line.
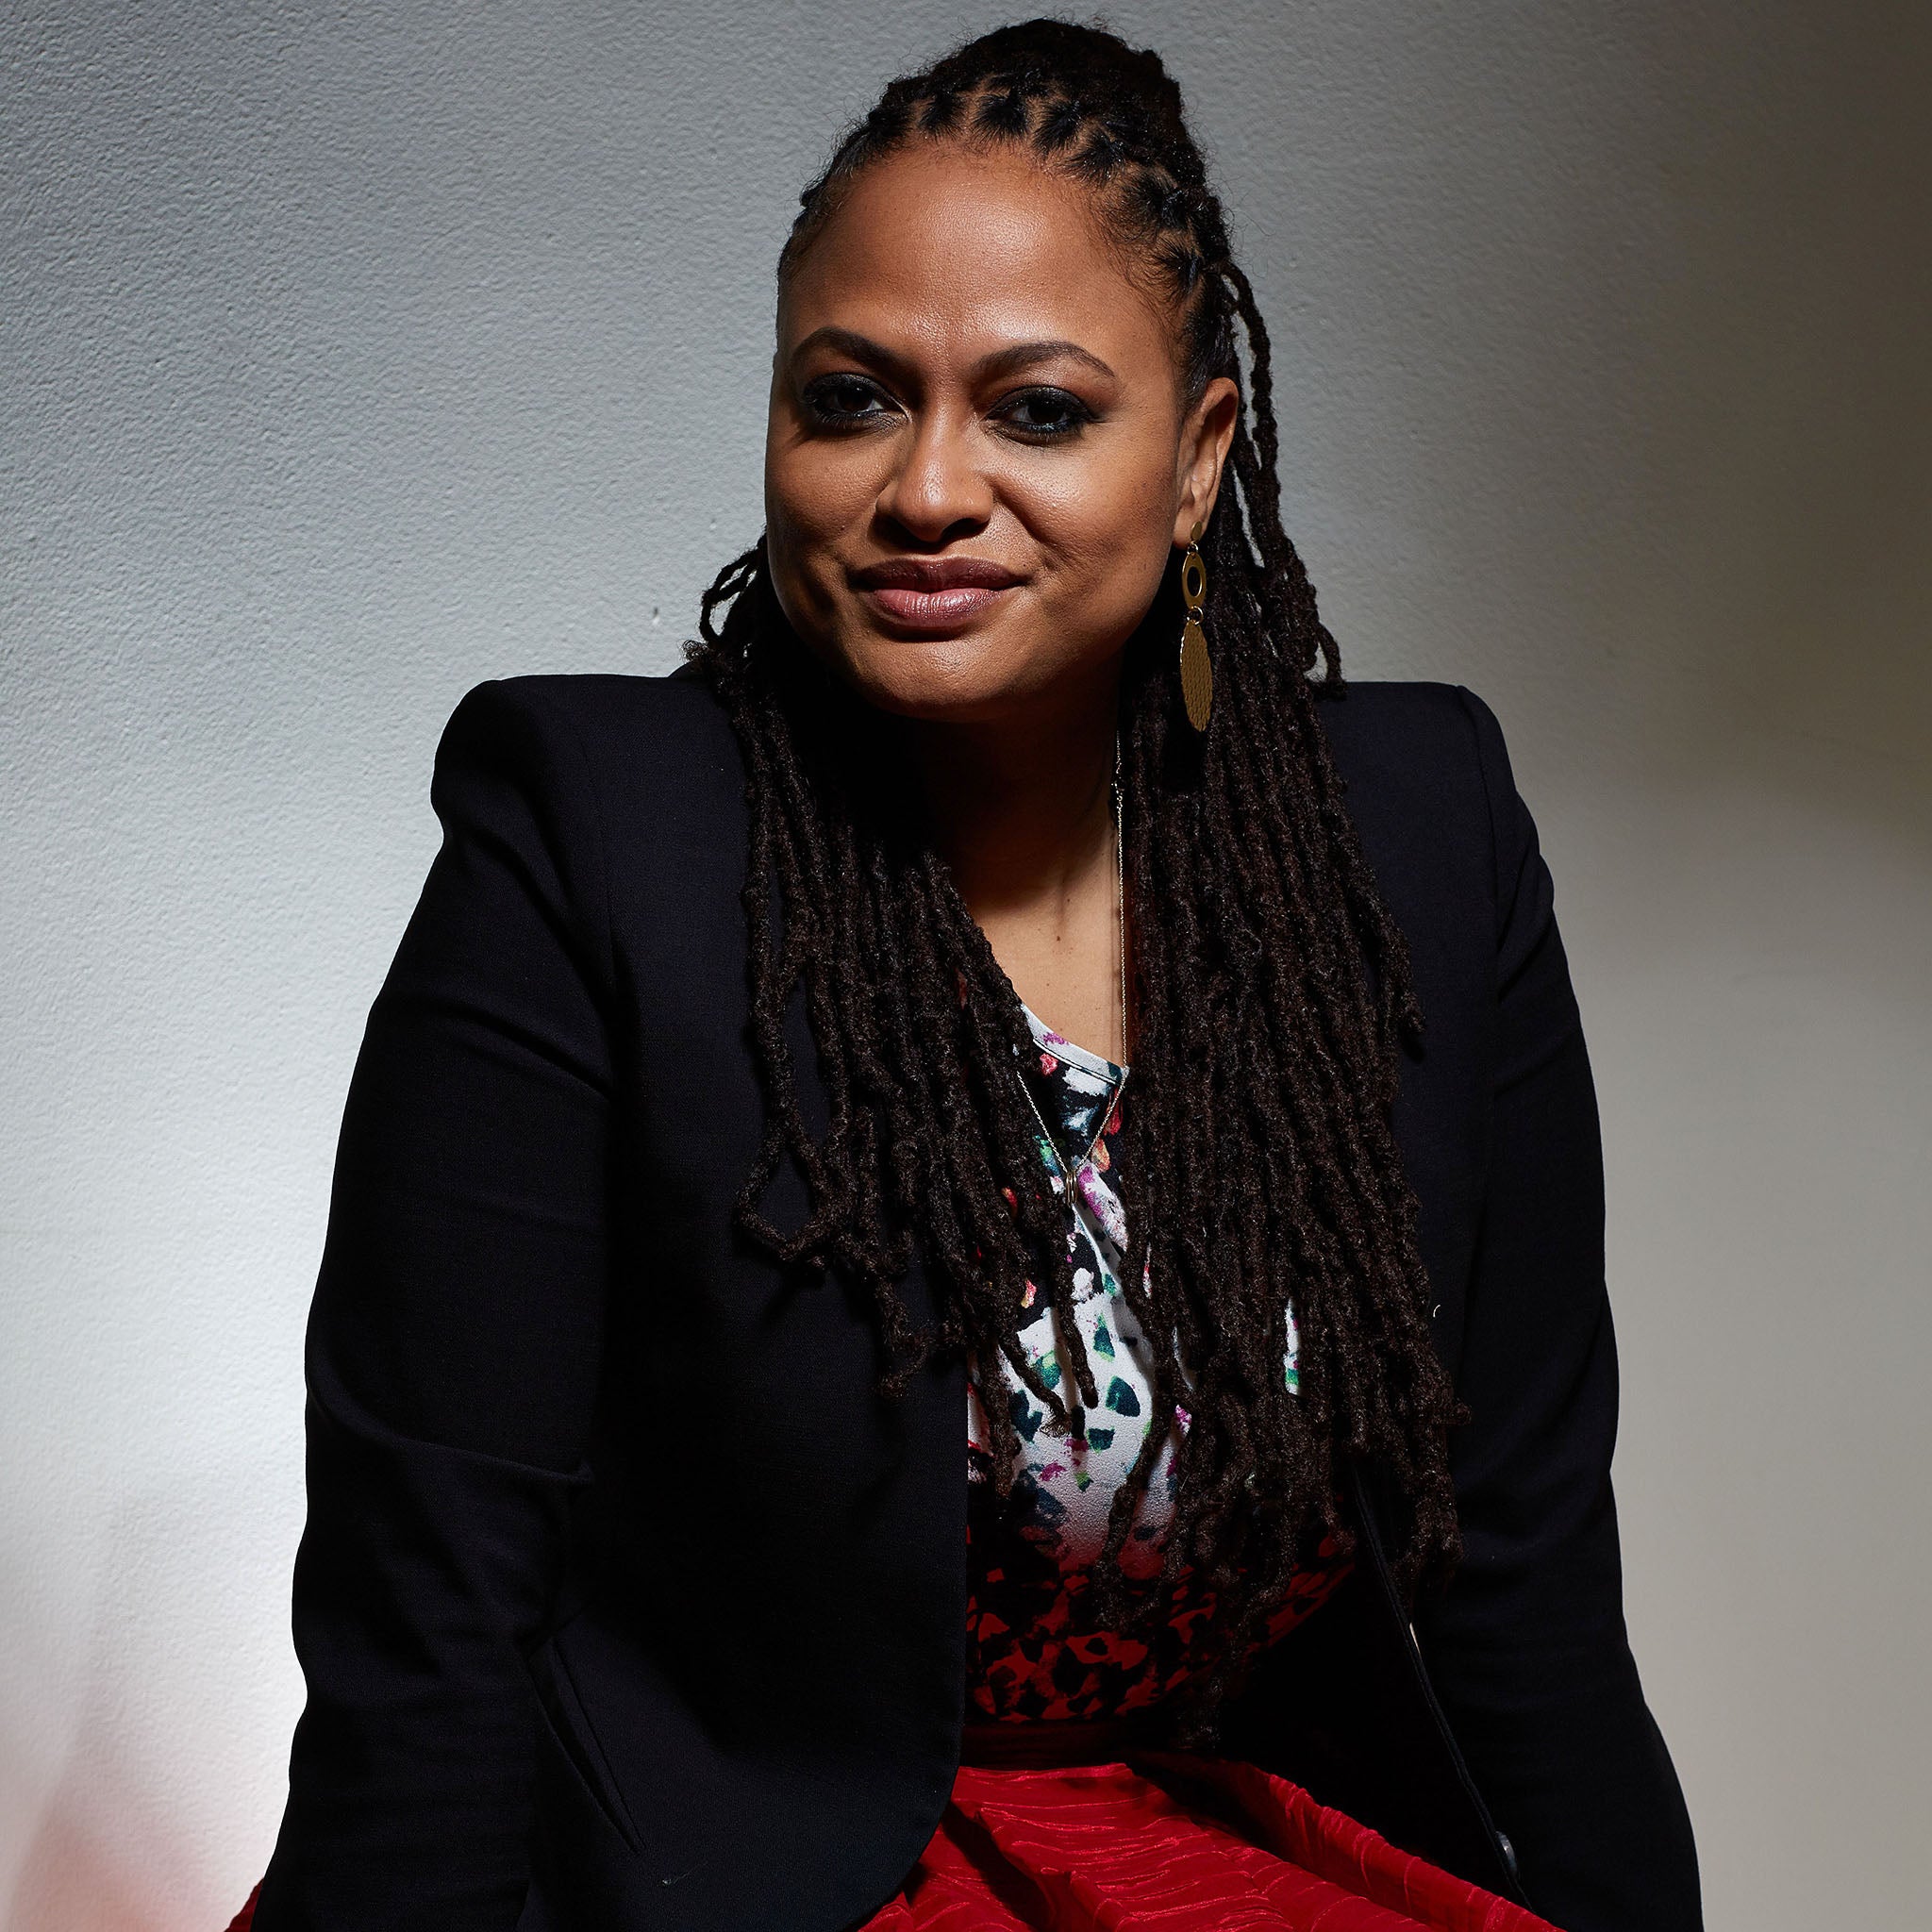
[
  {"x": 453, "y": 1355},
  {"x": 1527, "y": 1649}
]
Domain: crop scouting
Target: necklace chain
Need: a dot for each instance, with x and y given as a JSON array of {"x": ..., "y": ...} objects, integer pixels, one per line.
[
  {"x": 1119, "y": 890},
  {"x": 1120, "y": 912}
]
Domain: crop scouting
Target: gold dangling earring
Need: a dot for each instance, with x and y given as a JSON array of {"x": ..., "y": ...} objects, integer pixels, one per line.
[{"x": 1197, "y": 671}]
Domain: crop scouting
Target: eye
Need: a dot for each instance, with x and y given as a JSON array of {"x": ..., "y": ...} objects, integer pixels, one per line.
[
  {"x": 1044, "y": 415},
  {"x": 840, "y": 402}
]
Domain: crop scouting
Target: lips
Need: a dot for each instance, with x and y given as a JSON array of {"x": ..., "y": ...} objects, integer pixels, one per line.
[{"x": 932, "y": 594}]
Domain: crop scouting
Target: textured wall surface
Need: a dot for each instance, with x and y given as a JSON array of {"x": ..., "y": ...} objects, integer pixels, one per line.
[{"x": 352, "y": 355}]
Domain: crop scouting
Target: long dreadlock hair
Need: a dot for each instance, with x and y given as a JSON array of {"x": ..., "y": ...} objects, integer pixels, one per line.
[{"x": 1271, "y": 990}]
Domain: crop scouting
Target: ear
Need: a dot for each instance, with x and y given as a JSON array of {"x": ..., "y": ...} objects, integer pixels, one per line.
[{"x": 1207, "y": 431}]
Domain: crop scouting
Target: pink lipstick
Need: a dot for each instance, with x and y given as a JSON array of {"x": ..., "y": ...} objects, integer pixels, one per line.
[{"x": 932, "y": 595}]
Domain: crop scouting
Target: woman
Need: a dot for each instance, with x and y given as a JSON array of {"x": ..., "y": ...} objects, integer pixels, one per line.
[{"x": 721, "y": 1137}]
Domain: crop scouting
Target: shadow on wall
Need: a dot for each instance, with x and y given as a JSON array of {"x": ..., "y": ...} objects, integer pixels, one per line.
[
  {"x": 1793, "y": 417},
  {"x": 1664, "y": 488}
]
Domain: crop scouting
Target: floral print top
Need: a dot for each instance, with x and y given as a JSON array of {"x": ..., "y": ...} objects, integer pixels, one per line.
[{"x": 1034, "y": 1649}]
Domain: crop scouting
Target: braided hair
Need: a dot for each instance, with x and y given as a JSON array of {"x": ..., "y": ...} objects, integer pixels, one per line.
[{"x": 1272, "y": 993}]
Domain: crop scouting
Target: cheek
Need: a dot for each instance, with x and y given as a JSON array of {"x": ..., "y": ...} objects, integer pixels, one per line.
[
  {"x": 821, "y": 486},
  {"x": 1104, "y": 525},
  {"x": 814, "y": 495}
]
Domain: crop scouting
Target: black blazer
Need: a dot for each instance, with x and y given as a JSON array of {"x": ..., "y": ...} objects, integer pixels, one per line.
[{"x": 624, "y": 1601}]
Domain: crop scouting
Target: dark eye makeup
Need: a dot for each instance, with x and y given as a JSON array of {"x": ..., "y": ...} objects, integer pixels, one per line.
[
  {"x": 1044, "y": 414},
  {"x": 1039, "y": 413},
  {"x": 844, "y": 401}
]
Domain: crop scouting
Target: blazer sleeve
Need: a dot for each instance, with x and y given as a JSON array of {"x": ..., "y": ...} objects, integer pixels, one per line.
[
  {"x": 1527, "y": 1647},
  {"x": 452, "y": 1354}
]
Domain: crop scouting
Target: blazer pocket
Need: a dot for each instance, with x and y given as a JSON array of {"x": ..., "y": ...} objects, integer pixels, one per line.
[{"x": 575, "y": 1738}]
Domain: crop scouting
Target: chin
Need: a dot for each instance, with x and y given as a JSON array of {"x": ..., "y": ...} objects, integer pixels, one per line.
[{"x": 957, "y": 680}]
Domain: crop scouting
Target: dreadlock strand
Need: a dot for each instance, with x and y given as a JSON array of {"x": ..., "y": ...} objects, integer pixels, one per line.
[{"x": 1271, "y": 990}]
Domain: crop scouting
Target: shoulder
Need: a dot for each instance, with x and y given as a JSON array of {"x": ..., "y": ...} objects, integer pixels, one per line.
[
  {"x": 1428, "y": 785},
  {"x": 622, "y": 800},
  {"x": 1412, "y": 736},
  {"x": 605, "y": 717},
  {"x": 618, "y": 746}
]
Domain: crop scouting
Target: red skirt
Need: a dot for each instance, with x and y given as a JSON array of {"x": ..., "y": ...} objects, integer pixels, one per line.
[
  {"x": 1105, "y": 1848},
  {"x": 1178, "y": 1844}
]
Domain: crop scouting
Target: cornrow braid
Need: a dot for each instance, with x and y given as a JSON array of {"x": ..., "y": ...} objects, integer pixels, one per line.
[{"x": 1272, "y": 989}]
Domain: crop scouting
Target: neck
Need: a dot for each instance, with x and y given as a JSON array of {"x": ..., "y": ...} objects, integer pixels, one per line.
[
  {"x": 1022, "y": 811},
  {"x": 1021, "y": 807}
]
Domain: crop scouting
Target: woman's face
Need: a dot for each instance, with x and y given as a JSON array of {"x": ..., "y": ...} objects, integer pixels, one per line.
[{"x": 979, "y": 456}]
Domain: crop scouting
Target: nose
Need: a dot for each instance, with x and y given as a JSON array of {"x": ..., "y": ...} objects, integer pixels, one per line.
[{"x": 938, "y": 490}]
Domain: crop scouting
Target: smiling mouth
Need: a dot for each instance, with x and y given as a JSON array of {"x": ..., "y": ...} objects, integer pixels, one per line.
[{"x": 932, "y": 595}]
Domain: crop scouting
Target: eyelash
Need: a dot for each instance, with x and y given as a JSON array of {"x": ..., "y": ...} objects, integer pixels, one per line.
[
  {"x": 819, "y": 394},
  {"x": 1071, "y": 414}
]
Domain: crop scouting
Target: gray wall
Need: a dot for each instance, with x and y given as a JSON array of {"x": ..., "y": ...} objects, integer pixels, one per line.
[{"x": 355, "y": 354}]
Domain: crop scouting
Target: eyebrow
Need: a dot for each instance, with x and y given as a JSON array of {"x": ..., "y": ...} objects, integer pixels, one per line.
[{"x": 1007, "y": 361}]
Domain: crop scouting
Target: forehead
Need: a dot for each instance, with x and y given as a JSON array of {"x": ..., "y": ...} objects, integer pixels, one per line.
[{"x": 956, "y": 249}]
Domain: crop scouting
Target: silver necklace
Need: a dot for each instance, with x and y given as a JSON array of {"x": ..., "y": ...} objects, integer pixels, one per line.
[
  {"x": 1119, "y": 896},
  {"x": 1120, "y": 920}
]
